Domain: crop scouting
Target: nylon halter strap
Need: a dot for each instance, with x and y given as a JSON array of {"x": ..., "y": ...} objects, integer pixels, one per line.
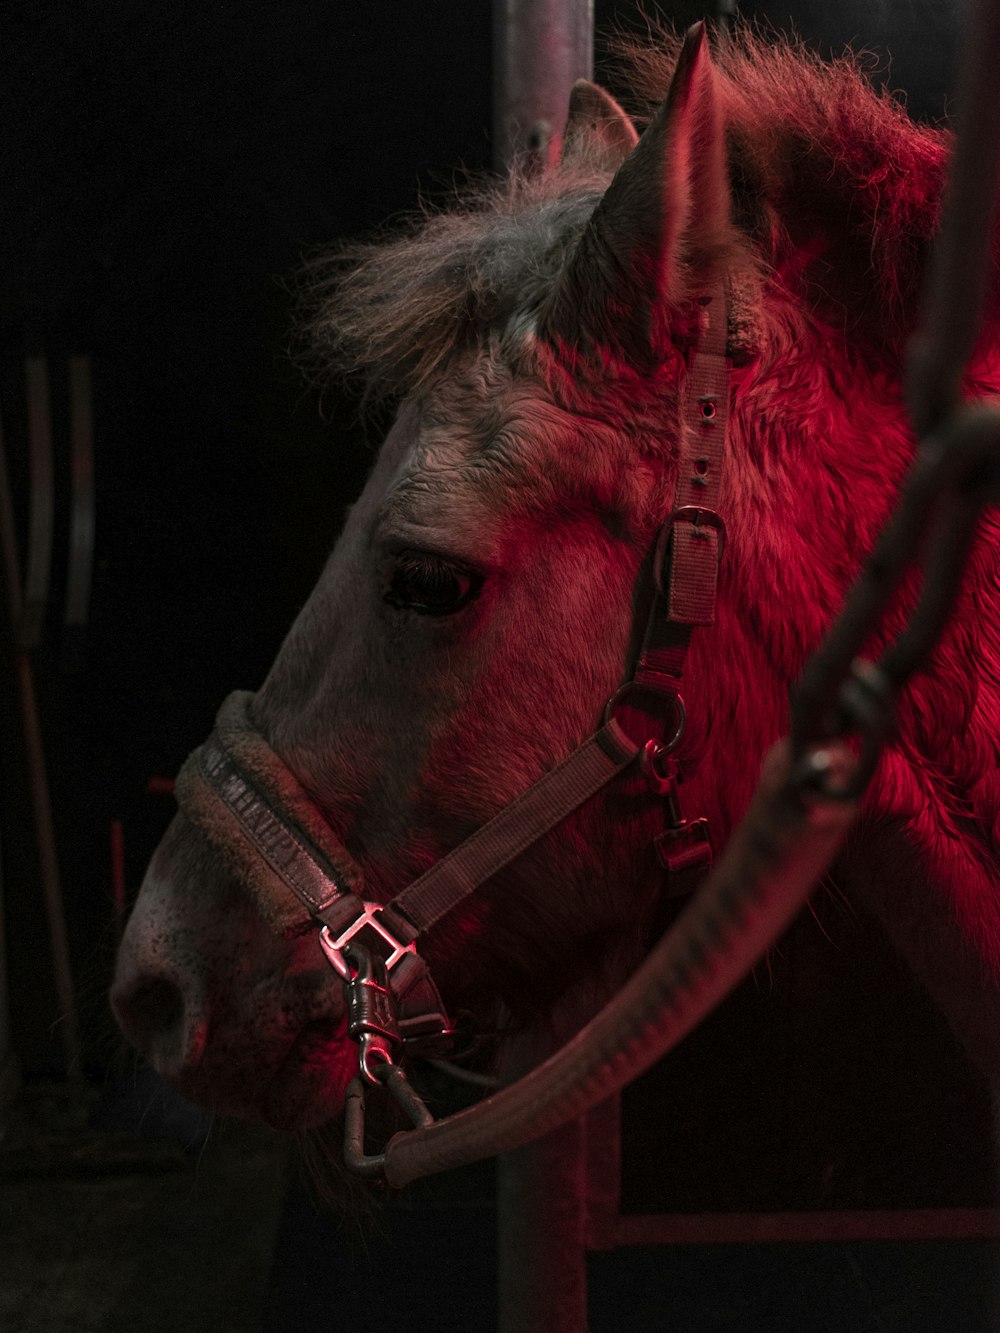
[
  {"x": 247, "y": 800},
  {"x": 686, "y": 568}
]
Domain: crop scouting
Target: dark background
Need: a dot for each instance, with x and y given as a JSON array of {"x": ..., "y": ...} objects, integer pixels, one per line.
[{"x": 165, "y": 170}]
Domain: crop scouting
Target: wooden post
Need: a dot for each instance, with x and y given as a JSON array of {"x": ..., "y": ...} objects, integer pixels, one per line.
[{"x": 540, "y": 49}]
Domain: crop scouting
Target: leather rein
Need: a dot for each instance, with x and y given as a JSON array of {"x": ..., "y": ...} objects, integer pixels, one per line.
[{"x": 394, "y": 1006}]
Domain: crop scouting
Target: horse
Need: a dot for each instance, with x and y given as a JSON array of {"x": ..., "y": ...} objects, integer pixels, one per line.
[{"x": 534, "y": 341}]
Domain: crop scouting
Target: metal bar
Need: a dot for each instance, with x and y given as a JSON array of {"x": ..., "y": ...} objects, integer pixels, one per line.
[
  {"x": 35, "y": 754},
  {"x": 540, "y": 49},
  {"x": 9, "y": 1072},
  {"x": 10, "y": 560},
  {"x": 81, "y": 521},
  {"x": 41, "y": 511},
  {"x": 48, "y": 866},
  {"x": 8, "y": 542},
  {"x": 541, "y": 1258},
  {"x": 602, "y": 1134},
  {"x": 798, "y": 1227},
  {"x": 543, "y": 1196}
]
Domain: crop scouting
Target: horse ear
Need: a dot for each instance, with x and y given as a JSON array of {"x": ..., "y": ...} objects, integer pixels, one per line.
[
  {"x": 598, "y": 132},
  {"x": 656, "y": 235}
]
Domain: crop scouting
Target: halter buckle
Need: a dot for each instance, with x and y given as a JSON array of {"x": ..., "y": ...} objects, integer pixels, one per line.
[
  {"x": 700, "y": 518},
  {"x": 383, "y": 1020},
  {"x": 370, "y": 917}
]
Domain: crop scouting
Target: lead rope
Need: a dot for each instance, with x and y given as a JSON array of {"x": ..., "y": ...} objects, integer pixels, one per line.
[{"x": 786, "y": 841}]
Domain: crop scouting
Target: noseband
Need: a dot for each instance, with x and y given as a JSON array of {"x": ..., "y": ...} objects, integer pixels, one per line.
[
  {"x": 241, "y": 793},
  {"x": 251, "y": 805}
]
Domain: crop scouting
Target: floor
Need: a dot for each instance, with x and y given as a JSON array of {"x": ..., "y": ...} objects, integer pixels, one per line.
[
  {"x": 106, "y": 1229},
  {"x": 430, "y": 1269},
  {"x": 108, "y": 1224}
]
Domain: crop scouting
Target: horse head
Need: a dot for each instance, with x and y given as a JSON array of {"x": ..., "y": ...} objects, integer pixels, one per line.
[{"x": 490, "y": 585}]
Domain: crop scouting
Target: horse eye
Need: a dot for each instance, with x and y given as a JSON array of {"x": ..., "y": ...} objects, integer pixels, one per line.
[{"x": 430, "y": 586}]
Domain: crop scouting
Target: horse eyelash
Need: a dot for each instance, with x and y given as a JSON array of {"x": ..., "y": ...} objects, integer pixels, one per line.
[{"x": 433, "y": 567}]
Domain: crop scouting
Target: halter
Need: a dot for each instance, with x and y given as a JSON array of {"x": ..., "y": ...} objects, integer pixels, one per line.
[{"x": 247, "y": 800}]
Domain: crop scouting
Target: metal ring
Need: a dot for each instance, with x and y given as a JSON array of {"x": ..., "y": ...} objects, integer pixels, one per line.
[
  {"x": 674, "y": 699},
  {"x": 831, "y": 772}
]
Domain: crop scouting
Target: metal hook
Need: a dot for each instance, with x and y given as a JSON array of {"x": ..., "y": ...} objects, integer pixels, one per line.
[{"x": 391, "y": 1077}]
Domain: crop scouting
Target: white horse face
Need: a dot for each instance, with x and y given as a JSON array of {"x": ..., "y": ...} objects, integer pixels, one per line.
[
  {"x": 473, "y": 620},
  {"x": 474, "y": 617}
]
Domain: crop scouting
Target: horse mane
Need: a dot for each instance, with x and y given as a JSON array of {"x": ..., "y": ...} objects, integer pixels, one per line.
[
  {"x": 836, "y": 188},
  {"x": 394, "y": 311}
]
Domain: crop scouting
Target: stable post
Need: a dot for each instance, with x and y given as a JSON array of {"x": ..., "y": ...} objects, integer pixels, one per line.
[
  {"x": 541, "y": 1212},
  {"x": 540, "y": 49}
]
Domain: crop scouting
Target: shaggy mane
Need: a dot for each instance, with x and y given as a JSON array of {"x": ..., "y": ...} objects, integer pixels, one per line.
[{"x": 815, "y": 150}]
